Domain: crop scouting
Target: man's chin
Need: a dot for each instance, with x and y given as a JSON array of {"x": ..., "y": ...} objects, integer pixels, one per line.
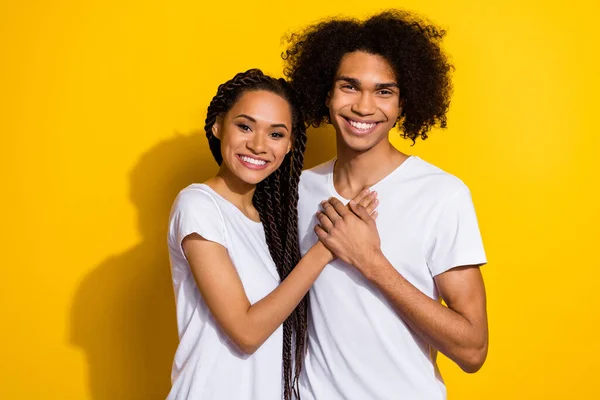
[{"x": 359, "y": 144}]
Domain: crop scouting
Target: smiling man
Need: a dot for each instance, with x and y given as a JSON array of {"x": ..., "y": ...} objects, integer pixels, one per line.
[{"x": 376, "y": 320}]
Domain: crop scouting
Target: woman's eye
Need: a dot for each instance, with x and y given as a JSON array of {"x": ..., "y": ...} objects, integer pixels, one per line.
[
  {"x": 243, "y": 127},
  {"x": 277, "y": 135}
]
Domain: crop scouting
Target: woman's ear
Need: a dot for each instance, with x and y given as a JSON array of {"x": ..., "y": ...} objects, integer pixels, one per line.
[{"x": 217, "y": 126}]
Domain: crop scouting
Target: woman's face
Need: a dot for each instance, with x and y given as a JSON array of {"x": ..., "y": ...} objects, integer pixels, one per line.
[{"x": 255, "y": 134}]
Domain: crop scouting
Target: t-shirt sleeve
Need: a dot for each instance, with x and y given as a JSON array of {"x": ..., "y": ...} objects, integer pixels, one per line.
[
  {"x": 456, "y": 237},
  {"x": 196, "y": 211}
]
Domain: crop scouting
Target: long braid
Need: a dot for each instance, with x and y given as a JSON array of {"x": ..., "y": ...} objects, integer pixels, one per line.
[
  {"x": 300, "y": 314},
  {"x": 276, "y": 200}
]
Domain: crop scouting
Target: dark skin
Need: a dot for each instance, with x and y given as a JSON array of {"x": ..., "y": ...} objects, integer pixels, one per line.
[
  {"x": 460, "y": 329},
  {"x": 261, "y": 133}
]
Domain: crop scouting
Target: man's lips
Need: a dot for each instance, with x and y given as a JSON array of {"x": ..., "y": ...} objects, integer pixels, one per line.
[{"x": 361, "y": 127}]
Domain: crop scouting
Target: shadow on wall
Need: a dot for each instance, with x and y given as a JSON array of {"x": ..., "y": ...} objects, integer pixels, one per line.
[{"x": 123, "y": 314}]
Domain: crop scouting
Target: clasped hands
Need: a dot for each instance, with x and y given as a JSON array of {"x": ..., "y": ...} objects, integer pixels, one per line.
[{"x": 350, "y": 232}]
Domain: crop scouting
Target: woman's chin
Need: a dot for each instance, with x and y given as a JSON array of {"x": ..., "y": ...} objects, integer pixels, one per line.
[{"x": 253, "y": 177}]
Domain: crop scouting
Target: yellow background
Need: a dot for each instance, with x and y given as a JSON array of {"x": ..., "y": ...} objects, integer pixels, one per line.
[{"x": 101, "y": 119}]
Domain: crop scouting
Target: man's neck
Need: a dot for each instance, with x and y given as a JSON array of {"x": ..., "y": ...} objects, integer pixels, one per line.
[{"x": 355, "y": 171}]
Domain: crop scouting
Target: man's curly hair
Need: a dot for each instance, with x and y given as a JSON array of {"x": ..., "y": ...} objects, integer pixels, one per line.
[{"x": 410, "y": 44}]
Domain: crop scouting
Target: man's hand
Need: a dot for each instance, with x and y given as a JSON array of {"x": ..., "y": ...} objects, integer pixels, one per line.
[{"x": 349, "y": 232}]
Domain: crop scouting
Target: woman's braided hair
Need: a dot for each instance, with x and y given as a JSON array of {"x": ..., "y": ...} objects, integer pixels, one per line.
[{"x": 276, "y": 200}]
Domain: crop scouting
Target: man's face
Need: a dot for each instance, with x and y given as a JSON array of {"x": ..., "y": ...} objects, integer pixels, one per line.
[{"x": 364, "y": 102}]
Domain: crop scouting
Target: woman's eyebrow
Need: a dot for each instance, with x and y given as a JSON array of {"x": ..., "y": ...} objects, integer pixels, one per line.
[{"x": 284, "y": 126}]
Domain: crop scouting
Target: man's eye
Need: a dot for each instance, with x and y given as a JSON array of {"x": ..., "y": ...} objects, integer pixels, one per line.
[
  {"x": 386, "y": 92},
  {"x": 348, "y": 87}
]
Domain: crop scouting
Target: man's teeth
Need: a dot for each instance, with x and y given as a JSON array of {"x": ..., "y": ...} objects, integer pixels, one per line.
[
  {"x": 361, "y": 125},
  {"x": 253, "y": 160}
]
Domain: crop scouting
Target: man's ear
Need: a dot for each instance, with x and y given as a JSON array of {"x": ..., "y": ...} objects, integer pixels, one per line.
[
  {"x": 216, "y": 128},
  {"x": 328, "y": 99}
]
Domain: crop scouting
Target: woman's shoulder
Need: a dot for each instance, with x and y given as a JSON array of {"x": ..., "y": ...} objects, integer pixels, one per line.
[
  {"x": 196, "y": 210},
  {"x": 198, "y": 196}
]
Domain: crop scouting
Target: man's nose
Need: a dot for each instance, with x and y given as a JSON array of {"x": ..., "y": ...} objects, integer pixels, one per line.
[{"x": 365, "y": 105}]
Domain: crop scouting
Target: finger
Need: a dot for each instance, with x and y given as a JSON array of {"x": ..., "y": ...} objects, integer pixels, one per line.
[
  {"x": 325, "y": 222},
  {"x": 365, "y": 200},
  {"x": 330, "y": 212},
  {"x": 339, "y": 207},
  {"x": 375, "y": 215},
  {"x": 368, "y": 200},
  {"x": 361, "y": 196},
  {"x": 361, "y": 212},
  {"x": 371, "y": 207},
  {"x": 321, "y": 234}
]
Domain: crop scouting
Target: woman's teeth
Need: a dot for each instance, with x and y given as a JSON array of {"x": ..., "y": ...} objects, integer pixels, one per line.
[{"x": 254, "y": 161}]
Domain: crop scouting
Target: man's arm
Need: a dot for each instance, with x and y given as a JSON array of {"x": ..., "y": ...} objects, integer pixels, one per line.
[{"x": 459, "y": 331}]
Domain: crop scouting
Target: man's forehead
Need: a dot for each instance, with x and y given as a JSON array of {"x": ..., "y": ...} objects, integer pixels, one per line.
[{"x": 366, "y": 68}]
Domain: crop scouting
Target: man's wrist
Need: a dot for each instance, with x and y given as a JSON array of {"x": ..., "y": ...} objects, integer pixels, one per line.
[{"x": 372, "y": 265}]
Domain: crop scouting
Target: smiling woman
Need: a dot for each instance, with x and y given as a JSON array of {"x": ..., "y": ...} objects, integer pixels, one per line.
[
  {"x": 255, "y": 135},
  {"x": 234, "y": 251}
]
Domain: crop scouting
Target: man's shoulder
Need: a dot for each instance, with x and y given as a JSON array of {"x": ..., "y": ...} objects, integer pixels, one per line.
[
  {"x": 435, "y": 178},
  {"x": 321, "y": 169},
  {"x": 320, "y": 173}
]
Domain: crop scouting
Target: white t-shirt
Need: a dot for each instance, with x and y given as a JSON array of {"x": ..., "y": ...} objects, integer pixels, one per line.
[
  {"x": 207, "y": 364},
  {"x": 358, "y": 346}
]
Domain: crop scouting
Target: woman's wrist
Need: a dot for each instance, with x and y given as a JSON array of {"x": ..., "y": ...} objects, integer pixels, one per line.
[{"x": 323, "y": 255}]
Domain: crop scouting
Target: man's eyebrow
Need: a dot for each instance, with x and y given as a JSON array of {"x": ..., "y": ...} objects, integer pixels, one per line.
[
  {"x": 352, "y": 81},
  {"x": 356, "y": 82},
  {"x": 284, "y": 126},
  {"x": 387, "y": 85}
]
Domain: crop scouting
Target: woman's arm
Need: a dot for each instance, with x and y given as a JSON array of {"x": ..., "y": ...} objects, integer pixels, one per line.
[{"x": 249, "y": 325}]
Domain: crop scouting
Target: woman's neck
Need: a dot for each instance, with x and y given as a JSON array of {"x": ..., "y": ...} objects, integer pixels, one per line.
[{"x": 234, "y": 190}]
